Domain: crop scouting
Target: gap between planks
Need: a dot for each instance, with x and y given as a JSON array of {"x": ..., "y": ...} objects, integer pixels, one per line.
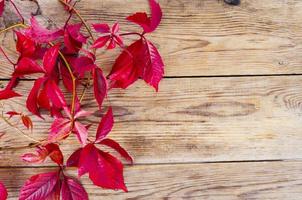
[{"x": 187, "y": 77}]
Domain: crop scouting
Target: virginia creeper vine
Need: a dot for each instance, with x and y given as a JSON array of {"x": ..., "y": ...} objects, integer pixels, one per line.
[{"x": 65, "y": 58}]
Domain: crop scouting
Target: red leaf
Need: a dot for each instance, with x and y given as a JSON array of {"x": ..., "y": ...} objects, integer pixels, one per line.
[
  {"x": 32, "y": 99},
  {"x": 1, "y": 12},
  {"x": 153, "y": 65},
  {"x": 101, "y": 28},
  {"x": 7, "y": 94},
  {"x": 73, "y": 160},
  {"x": 73, "y": 38},
  {"x": 41, "y": 34},
  {"x": 149, "y": 24},
  {"x": 3, "y": 192},
  {"x": 110, "y": 35},
  {"x": 73, "y": 190},
  {"x": 51, "y": 150},
  {"x": 13, "y": 82},
  {"x": 55, "y": 194},
  {"x": 43, "y": 99},
  {"x": 12, "y": 113},
  {"x": 40, "y": 186},
  {"x": 55, "y": 94},
  {"x": 125, "y": 70},
  {"x": 104, "y": 170},
  {"x": 100, "y": 86},
  {"x": 105, "y": 126},
  {"x": 55, "y": 153},
  {"x": 74, "y": 31},
  {"x": 100, "y": 42},
  {"x": 82, "y": 132},
  {"x": 50, "y": 59},
  {"x": 140, "y": 59},
  {"x": 59, "y": 130},
  {"x": 82, "y": 64},
  {"x": 116, "y": 146},
  {"x": 66, "y": 78},
  {"x": 27, "y": 122},
  {"x": 27, "y": 66},
  {"x": 25, "y": 46},
  {"x": 38, "y": 157}
]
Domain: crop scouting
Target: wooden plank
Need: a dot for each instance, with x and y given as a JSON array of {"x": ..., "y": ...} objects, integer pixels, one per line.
[
  {"x": 198, "y": 38},
  {"x": 192, "y": 120},
  {"x": 226, "y": 181}
]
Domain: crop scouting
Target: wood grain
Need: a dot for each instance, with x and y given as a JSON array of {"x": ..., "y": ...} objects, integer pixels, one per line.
[
  {"x": 227, "y": 181},
  {"x": 193, "y": 120},
  {"x": 196, "y": 38}
]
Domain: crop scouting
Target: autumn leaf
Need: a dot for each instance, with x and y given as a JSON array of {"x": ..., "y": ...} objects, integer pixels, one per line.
[
  {"x": 105, "y": 126},
  {"x": 40, "y": 186},
  {"x": 110, "y": 36},
  {"x": 2, "y": 7},
  {"x": 42, "y": 152},
  {"x": 140, "y": 60},
  {"x": 73, "y": 38},
  {"x": 27, "y": 121},
  {"x": 104, "y": 170},
  {"x": 3, "y": 192},
  {"x": 40, "y": 34},
  {"x": 149, "y": 24},
  {"x": 99, "y": 85},
  {"x": 8, "y": 92},
  {"x": 72, "y": 190}
]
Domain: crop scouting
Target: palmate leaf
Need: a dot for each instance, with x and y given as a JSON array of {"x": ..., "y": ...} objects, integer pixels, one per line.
[{"x": 104, "y": 170}]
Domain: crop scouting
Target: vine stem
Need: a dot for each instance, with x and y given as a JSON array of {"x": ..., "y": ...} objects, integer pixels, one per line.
[
  {"x": 20, "y": 131},
  {"x": 12, "y": 27},
  {"x": 72, "y": 8},
  {"x": 17, "y": 10},
  {"x": 7, "y": 58},
  {"x": 132, "y": 33},
  {"x": 74, "y": 92},
  {"x": 79, "y": 16}
]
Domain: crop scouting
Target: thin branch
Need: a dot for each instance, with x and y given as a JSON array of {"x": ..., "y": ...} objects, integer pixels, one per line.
[
  {"x": 7, "y": 58},
  {"x": 19, "y": 130},
  {"x": 18, "y": 12},
  {"x": 79, "y": 16},
  {"x": 12, "y": 27}
]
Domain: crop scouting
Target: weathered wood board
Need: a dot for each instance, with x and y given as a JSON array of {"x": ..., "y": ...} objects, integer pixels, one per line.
[
  {"x": 216, "y": 181},
  {"x": 195, "y": 120},
  {"x": 226, "y": 122},
  {"x": 200, "y": 37}
]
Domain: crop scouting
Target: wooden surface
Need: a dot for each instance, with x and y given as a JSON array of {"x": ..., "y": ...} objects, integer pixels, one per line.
[{"x": 226, "y": 123}]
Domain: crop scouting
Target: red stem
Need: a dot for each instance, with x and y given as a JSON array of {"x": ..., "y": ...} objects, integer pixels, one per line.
[
  {"x": 5, "y": 55},
  {"x": 70, "y": 14},
  {"x": 132, "y": 33},
  {"x": 18, "y": 12}
]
